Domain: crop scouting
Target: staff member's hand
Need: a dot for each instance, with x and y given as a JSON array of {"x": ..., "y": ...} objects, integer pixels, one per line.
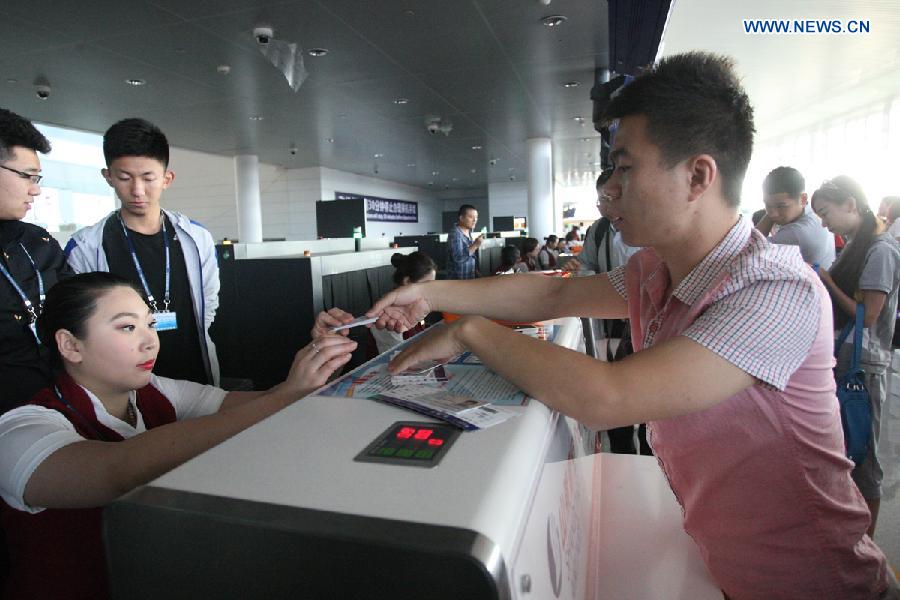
[
  {"x": 315, "y": 363},
  {"x": 333, "y": 317},
  {"x": 438, "y": 343},
  {"x": 402, "y": 308},
  {"x": 572, "y": 264}
]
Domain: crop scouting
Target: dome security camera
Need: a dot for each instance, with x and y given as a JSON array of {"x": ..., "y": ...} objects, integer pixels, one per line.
[
  {"x": 263, "y": 35},
  {"x": 434, "y": 128},
  {"x": 293, "y": 150},
  {"x": 42, "y": 90}
]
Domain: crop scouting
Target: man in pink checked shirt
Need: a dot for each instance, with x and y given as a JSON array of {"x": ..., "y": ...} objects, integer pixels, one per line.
[{"x": 733, "y": 337}]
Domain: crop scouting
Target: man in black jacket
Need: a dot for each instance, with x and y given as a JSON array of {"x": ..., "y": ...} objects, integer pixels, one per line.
[{"x": 30, "y": 264}]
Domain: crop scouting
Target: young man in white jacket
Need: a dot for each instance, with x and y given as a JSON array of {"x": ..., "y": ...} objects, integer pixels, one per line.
[{"x": 168, "y": 256}]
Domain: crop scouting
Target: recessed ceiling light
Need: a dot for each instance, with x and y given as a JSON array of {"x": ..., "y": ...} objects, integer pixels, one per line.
[
  {"x": 12, "y": 80},
  {"x": 410, "y": 165},
  {"x": 409, "y": 12},
  {"x": 379, "y": 155},
  {"x": 135, "y": 82},
  {"x": 256, "y": 118},
  {"x": 342, "y": 116},
  {"x": 473, "y": 171},
  {"x": 456, "y": 179},
  {"x": 317, "y": 52},
  {"x": 401, "y": 101},
  {"x": 586, "y": 139},
  {"x": 571, "y": 84},
  {"x": 477, "y": 147},
  {"x": 329, "y": 140},
  {"x": 554, "y": 20},
  {"x": 578, "y": 119},
  {"x": 435, "y": 172}
]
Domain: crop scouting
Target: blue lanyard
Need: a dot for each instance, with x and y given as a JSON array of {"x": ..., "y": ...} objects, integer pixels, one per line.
[
  {"x": 137, "y": 265},
  {"x": 32, "y": 312},
  {"x": 75, "y": 411}
]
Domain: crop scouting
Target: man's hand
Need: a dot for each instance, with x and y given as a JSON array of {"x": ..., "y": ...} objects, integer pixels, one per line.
[
  {"x": 401, "y": 309},
  {"x": 325, "y": 321},
  {"x": 441, "y": 342}
]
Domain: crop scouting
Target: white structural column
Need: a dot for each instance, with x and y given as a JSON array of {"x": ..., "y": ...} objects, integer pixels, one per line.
[
  {"x": 540, "y": 188},
  {"x": 246, "y": 186}
]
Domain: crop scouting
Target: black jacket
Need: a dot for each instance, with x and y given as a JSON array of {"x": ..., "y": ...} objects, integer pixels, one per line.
[{"x": 24, "y": 368}]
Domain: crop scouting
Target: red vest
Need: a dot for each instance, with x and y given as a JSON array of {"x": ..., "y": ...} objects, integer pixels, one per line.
[{"x": 58, "y": 553}]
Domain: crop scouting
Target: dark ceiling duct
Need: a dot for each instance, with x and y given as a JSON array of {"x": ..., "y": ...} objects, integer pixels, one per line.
[{"x": 636, "y": 29}]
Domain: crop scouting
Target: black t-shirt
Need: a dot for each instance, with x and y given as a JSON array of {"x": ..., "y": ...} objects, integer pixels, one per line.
[{"x": 180, "y": 356}]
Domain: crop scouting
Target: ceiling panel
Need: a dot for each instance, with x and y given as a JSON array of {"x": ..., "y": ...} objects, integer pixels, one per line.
[{"x": 488, "y": 66}]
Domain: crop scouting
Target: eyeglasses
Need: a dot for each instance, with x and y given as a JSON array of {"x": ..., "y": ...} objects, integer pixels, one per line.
[{"x": 34, "y": 177}]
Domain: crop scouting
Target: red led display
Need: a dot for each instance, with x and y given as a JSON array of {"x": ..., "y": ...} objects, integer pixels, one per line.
[
  {"x": 423, "y": 434},
  {"x": 435, "y": 442},
  {"x": 405, "y": 433}
]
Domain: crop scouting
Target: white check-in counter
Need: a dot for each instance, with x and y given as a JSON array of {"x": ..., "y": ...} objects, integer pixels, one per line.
[{"x": 283, "y": 510}]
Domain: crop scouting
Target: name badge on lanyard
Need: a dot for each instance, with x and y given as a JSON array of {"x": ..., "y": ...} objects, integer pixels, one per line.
[
  {"x": 32, "y": 311},
  {"x": 166, "y": 320}
]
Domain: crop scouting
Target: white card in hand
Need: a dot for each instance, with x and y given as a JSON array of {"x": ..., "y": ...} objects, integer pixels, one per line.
[{"x": 354, "y": 323}]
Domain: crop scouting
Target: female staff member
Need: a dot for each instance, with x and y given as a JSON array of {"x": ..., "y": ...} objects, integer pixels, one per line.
[
  {"x": 30, "y": 264},
  {"x": 415, "y": 267},
  {"x": 108, "y": 425},
  {"x": 867, "y": 271}
]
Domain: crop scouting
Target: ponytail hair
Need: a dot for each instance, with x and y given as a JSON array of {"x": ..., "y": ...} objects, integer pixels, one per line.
[
  {"x": 415, "y": 265},
  {"x": 69, "y": 305},
  {"x": 847, "y": 269}
]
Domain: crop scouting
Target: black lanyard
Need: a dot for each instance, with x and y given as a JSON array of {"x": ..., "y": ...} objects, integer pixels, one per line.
[
  {"x": 86, "y": 421},
  {"x": 137, "y": 265},
  {"x": 29, "y": 306}
]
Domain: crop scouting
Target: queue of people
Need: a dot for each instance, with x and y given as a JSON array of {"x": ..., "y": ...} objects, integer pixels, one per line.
[{"x": 732, "y": 339}]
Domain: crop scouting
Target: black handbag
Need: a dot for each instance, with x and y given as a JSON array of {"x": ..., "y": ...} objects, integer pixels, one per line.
[{"x": 853, "y": 397}]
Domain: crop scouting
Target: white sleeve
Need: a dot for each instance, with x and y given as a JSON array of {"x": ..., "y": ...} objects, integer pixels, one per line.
[
  {"x": 385, "y": 339},
  {"x": 190, "y": 400},
  {"x": 28, "y": 435}
]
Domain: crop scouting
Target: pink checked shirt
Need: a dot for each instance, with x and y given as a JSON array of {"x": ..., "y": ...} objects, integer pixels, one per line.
[{"x": 761, "y": 477}]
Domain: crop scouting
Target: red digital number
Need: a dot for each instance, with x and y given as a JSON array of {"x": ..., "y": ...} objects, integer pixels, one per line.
[
  {"x": 405, "y": 433},
  {"x": 424, "y": 434},
  {"x": 435, "y": 442}
]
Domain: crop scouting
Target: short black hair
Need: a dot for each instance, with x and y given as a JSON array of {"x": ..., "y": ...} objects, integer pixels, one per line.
[
  {"x": 603, "y": 177},
  {"x": 784, "y": 180},
  {"x": 16, "y": 130},
  {"x": 464, "y": 209},
  {"x": 694, "y": 104},
  {"x": 135, "y": 137}
]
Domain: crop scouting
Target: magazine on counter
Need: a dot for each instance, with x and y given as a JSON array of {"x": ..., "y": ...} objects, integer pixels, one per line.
[{"x": 465, "y": 412}]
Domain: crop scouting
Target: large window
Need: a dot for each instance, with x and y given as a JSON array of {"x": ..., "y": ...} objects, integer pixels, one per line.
[
  {"x": 864, "y": 145},
  {"x": 73, "y": 193}
]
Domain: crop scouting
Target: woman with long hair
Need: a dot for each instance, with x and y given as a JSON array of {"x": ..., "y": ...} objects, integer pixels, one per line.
[
  {"x": 866, "y": 271},
  {"x": 107, "y": 425}
]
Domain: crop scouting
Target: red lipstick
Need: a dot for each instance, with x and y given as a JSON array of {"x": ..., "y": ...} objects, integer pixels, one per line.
[{"x": 147, "y": 366}]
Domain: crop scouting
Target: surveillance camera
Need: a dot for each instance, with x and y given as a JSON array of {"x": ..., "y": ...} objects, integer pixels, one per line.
[
  {"x": 42, "y": 90},
  {"x": 293, "y": 150},
  {"x": 493, "y": 161},
  {"x": 434, "y": 128},
  {"x": 263, "y": 35}
]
